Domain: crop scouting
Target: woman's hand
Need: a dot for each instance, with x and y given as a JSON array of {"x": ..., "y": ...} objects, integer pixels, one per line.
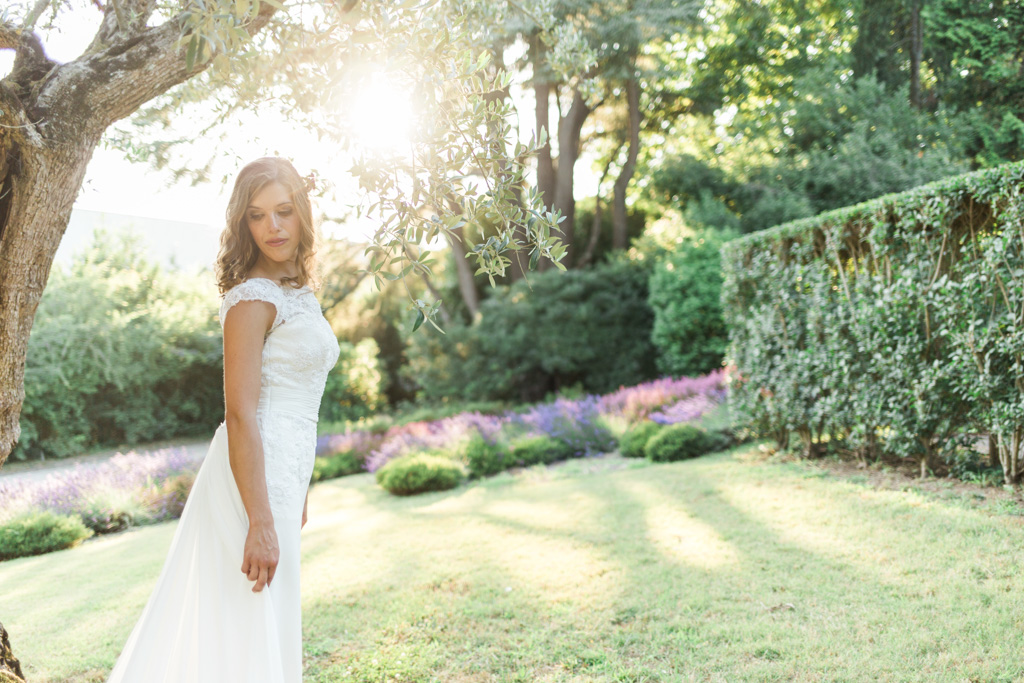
[
  {"x": 304, "y": 509},
  {"x": 261, "y": 555}
]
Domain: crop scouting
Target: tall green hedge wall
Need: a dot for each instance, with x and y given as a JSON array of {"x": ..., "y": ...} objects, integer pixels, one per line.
[{"x": 895, "y": 326}]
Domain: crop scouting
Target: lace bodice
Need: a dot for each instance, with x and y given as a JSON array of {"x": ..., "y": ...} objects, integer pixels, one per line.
[{"x": 298, "y": 351}]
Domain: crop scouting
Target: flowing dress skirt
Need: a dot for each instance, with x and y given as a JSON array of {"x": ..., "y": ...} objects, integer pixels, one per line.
[{"x": 203, "y": 623}]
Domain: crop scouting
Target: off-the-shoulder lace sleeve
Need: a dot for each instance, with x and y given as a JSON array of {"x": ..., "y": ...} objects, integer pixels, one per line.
[{"x": 256, "y": 289}]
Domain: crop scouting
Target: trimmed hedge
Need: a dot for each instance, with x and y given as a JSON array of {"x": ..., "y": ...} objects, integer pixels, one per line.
[
  {"x": 418, "y": 473},
  {"x": 890, "y": 326},
  {"x": 36, "y": 533}
]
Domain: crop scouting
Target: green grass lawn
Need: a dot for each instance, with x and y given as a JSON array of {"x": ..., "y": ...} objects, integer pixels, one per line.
[{"x": 717, "y": 569}]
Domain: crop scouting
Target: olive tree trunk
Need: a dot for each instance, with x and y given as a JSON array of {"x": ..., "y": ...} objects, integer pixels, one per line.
[
  {"x": 52, "y": 116},
  {"x": 10, "y": 667}
]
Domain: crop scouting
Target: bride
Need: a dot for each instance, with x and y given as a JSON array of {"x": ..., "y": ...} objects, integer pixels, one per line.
[{"x": 226, "y": 607}]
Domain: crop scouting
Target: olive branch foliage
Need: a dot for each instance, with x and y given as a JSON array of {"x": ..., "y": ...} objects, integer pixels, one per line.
[{"x": 465, "y": 163}]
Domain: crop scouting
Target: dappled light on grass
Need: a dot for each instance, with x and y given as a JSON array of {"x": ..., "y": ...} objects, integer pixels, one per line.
[
  {"x": 710, "y": 569},
  {"x": 687, "y": 540},
  {"x": 801, "y": 516}
]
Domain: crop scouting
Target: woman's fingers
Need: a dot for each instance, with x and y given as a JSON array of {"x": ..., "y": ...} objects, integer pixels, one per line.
[
  {"x": 261, "y": 580},
  {"x": 260, "y": 556}
]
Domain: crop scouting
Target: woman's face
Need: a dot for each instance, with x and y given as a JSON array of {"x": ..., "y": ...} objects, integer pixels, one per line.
[{"x": 274, "y": 223}]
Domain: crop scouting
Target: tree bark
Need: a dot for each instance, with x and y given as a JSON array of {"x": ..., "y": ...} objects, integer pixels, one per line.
[
  {"x": 542, "y": 113},
  {"x": 595, "y": 225},
  {"x": 464, "y": 271},
  {"x": 620, "y": 228},
  {"x": 569, "y": 128},
  {"x": 10, "y": 667},
  {"x": 916, "y": 50}
]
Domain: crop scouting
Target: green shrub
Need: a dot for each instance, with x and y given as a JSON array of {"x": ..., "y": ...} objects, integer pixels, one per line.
[
  {"x": 679, "y": 442},
  {"x": 635, "y": 439},
  {"x": 685, "y": 293},
  {"x": 337, "y": 465},
  {"x": 721, "y": 439},
  {"x": 540, "y": 450},
  {"x": 121, "y": 351},
  {"x": 36, "y": 533},
  {"x": 484, "y": 459},
  {"x": 863, "y": 325},
  {"x": 417, "y": 473},
  {"x": 526, "y": 343},
  {"x": 355, "y": 386}
]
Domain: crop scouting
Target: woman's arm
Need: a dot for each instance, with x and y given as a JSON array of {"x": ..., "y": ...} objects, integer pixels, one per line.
[{"x": 244, "y": 327}]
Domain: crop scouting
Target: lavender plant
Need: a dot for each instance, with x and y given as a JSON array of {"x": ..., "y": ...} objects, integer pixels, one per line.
[{"x": 127, "y": 489}]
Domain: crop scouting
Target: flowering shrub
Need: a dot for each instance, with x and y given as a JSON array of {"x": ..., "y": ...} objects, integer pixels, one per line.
[
  {"x": 687, "y": 409},
  {"x": 576, "y": 427},
  {"x": 638, "y": 402},
  {"x": 449, "y": 433},
  {"x": 361, "y": 442},
  {"x": 130, "y": 488},
  {"x": 577, "y": 423}
]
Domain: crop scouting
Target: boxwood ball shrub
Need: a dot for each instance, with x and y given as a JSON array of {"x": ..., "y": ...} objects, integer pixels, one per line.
[
  {"x": 679, "y": 442},
  {"x": 540, "y": 450},
  {"x": 634, "y": 441},
  {"x": 338, "y": 465},
  {"x": 484, "y": 458},
  {"x": 35, "y": 533},
  {"x": 418, "y": 473}
]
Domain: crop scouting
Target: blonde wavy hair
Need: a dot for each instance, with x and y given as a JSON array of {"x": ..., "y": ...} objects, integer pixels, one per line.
[{"x": 238, "y": 251}]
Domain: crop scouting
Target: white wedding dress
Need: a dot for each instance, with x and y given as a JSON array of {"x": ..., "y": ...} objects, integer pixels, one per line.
[{"x": 203, "y": 623}]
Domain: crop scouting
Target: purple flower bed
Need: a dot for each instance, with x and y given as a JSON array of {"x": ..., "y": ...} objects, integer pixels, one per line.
[
  {"x": 445, "y": 433},
  {"x": 360, "y": 442},
  {"x": 688, "y": 409},
  {"x": 156, "y": 484},
  {"x": 577, "y": 423},
  {"x": 638, "y": 402},
  {"x": 574, "y": 422},
  {"x": 129, "y": 479}
]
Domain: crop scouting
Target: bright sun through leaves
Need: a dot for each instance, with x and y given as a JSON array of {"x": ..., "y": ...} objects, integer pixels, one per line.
[{"x": 381, "y": 118}]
